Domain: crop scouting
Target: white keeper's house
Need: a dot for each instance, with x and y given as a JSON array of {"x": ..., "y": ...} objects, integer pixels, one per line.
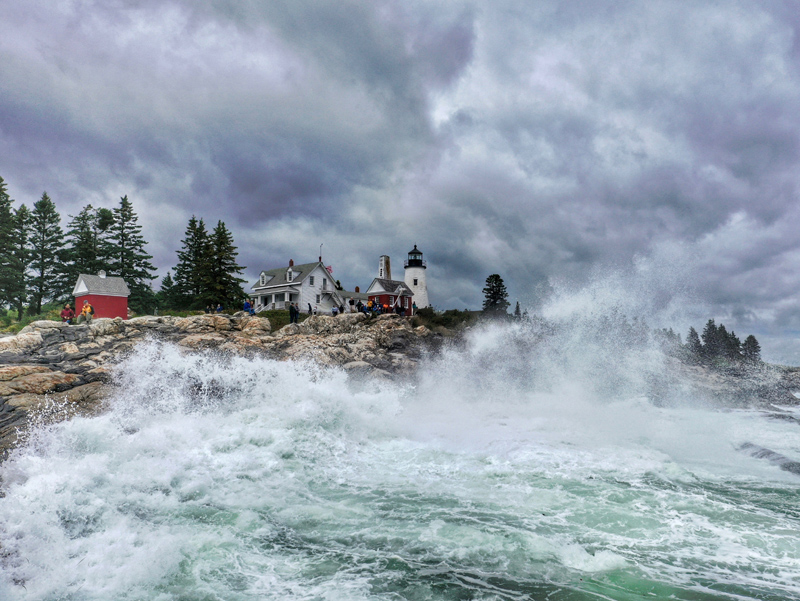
[{"x": 306, "y": 284}]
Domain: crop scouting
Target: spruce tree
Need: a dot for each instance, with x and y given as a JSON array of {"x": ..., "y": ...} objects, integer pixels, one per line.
[
  {"x": 693, "y": 344},
  {"x": 711, "y": 342},
  {"x": 167, "y": 296},
  {"x": 495, "y": 301},
  {"x": 46, "y": 244},
  {"x": 21, "y": 259},
  {"x": 192, "y": 265},
  {"x": 751, "y": 349},
  {"x": 128, "y": 258},
  {"x": 733, "y": 346},
  {"x": 6, "y": 245},
  {"x": 517, "y": 312},
  {"x": 88, "y": 248},
  {"x": 221, "y": 284}
]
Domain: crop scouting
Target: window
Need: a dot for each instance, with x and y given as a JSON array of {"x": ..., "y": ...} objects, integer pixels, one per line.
[
  {"x": 311, "y": 281},
  {"x": 406, "y": 302},
  {"x": 415, "y": 281},
  {"x": 324, "y": 284},
  {"x": 391, "y": 300},
  {"x": 289, "y": 275},
  {"x": 263, "y": 279},
  {"x": 279, "y": 298},
  {"x": 318, "y": 299}
]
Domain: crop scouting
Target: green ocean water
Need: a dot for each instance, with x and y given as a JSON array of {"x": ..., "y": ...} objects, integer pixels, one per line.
[{"x": 219, "y": 479}]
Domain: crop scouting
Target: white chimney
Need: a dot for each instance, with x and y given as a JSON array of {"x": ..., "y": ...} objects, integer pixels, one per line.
[{"x": 101, "y": 273}]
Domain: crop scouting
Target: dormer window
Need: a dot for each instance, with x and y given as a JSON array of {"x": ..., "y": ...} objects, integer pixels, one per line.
[
  {"x": 263, "y": 279},
  {"x": 289, "y": 275}
]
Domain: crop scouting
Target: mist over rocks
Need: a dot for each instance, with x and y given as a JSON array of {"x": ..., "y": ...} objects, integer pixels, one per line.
[{"x": 52, "y": 370}]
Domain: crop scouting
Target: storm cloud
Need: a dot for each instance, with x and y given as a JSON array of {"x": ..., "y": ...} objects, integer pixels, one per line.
[{"x": 551, "y": 142}]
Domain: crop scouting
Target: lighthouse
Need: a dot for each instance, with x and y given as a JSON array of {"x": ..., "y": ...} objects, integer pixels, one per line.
[{"x": 415, "y": 277}]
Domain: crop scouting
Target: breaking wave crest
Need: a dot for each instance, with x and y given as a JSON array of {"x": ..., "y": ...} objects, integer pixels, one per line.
[{"x": 526, "y": 463}]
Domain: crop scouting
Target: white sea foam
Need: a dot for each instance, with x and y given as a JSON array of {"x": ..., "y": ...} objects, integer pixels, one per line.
[{"x": 509, "y": 464}]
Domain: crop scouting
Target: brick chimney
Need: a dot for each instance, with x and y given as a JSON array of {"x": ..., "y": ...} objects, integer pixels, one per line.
[
  {"x": 291, "y": 262},
  {"x": 358, "y": 289}
]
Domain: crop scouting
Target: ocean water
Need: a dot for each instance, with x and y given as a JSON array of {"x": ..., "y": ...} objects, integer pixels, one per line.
[{"x": 522, "y": 464}]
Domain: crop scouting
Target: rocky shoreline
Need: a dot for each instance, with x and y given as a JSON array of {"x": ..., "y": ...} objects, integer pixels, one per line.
[
  {"x": 52, "y": 371},
  {"x": 56, "y": 370}
]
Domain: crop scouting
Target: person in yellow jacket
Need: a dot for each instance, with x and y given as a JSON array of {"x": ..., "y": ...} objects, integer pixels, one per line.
[{"x": 86, "y": 313}]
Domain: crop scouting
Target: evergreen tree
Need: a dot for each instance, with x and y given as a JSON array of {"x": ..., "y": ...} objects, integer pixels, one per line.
[
  {"x": 693, "y": 344},
  {"x": 495, "y": 296},
  {"x": 21, "y": 259},
  {"x": 128, "y": 258},
  {"x": 88, "y": 247},
  {"x": 733, "y": 346},
  {"x": 192, "y": 265},
  {"x": 6, "y": 245},
  {"x": 517, "y": 312},
  {"x": 168, "y": 296},
  {"x": 751, "y": 350},
  {"x": 221, "y": 284},
  {"x": 46, "y": 244},
  {"x": 711, "y": 342}
]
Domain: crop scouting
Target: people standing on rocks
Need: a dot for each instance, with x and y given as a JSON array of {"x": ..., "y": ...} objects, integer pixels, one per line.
[
  {"x": 67, "y": 314},
  {"x": 296, "y": 313},
  {"x": 248, "y": 308},
  {"x": 292, "y": 313},
  {"x": 86, "y": 313},
  {"x": 309, "y": 309},
  {"x": 219, "y": 308},
  {"x": 209, "y": 309}
]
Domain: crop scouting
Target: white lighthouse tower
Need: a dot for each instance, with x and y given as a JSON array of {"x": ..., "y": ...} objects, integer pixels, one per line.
[{"x": 415, "y": 277}]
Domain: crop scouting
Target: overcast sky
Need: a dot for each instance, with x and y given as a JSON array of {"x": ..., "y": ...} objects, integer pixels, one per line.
[{"x": 589, "y": 152}]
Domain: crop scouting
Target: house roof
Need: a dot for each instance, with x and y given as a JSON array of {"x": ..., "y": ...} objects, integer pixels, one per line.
[
  {"x": 355, "y": 295},
  {"x": 391, "y": 286},
  {"x": 278, "y": 275},
  {"x": 94, "y": 284}
]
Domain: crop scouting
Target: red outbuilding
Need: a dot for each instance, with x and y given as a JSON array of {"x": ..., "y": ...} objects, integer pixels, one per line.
[
  {"x": 391, "y": 293},
  {"x": 108, "y": 296}
]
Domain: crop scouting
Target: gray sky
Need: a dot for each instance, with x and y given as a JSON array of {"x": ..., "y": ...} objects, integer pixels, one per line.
[{"x": 589, "y": 152}]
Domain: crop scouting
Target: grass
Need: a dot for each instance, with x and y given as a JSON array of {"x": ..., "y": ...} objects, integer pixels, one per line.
[
  {"x": 452, "y": 319},
  {"x": 9, "y": 323},
  {"x": 279, "y": 318}
]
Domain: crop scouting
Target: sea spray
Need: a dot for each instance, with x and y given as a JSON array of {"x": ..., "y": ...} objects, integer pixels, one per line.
[{"x": 527, "y": 463}]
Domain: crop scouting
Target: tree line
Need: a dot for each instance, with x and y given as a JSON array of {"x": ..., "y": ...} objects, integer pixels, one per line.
[
  {"x": 40, "y": 261},
  {"x": 717, "y": 342},
  {"x": 207, "y": 270}
]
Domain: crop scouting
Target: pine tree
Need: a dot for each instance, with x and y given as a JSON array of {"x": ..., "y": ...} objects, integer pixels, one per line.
[
  {"x": 6, "y": 245},
  {"x": 751, "y": 349},
  {"x": 87, "y": 248},
  {"x": 711, "y": 342},
  {"x": 517, "y": 312},
  {"x": 21, "y": 259},
  {"x": 47, "y": 242},
  {"x": 495, "y": 296},
  {"x": 192, "y": 264},
  {"x": 693, "y": 344},
  {"x": 733, "y": 346},
  {"x": 128, "y": 258},
  {"x": 221, "y": 284},
  {"x": 168, "y": 296}
]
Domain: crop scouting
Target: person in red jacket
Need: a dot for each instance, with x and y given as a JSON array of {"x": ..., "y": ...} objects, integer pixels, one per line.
[{"x": 67, "y": 314}]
